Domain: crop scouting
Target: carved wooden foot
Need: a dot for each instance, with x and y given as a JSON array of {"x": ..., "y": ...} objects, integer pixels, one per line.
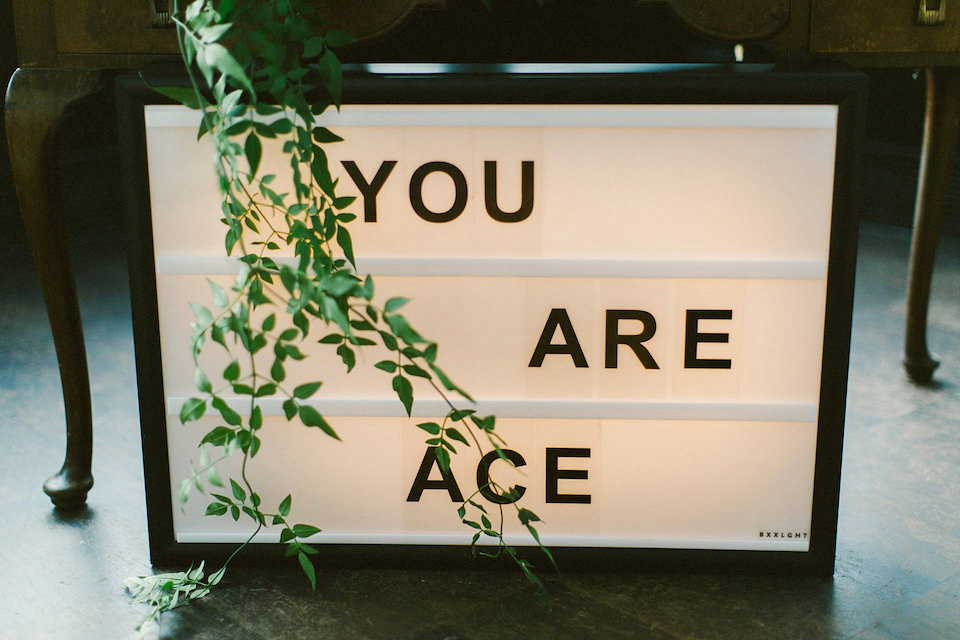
[
  {"x": 939, "y": 141},
  {"x": 36, "y": 98}
]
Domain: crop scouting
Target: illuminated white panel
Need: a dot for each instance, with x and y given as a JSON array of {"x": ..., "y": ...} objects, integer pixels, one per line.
[
  {"x": 650, "y": 212},
  {"x": 651, "y": 483}
]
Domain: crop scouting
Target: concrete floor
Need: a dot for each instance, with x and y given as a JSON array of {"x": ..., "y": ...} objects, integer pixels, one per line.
[{"x": 898, "y": 564}]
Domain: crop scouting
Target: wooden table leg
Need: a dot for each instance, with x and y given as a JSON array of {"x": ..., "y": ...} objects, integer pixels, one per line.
[
  {"x": 939, "y": 141},
  {"x": 36, "y": 98}
]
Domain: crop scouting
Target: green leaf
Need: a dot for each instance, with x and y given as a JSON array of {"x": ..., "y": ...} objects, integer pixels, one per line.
[
  {"x": 243, "y": 439},
  {"x": 411, "y": 352},
  {"x": 293, "y": 352},
  {"x": 238, "y": 491},
  {"x": 329, "y": 67},
  {"x": 404, "y": 391},
  {"x": 430, "y": 427},
  {"x": 219, "y": 295},
  {"x": 216, "y": 509},
  {"x": 277, "y": 371},
  {"x": 346, "y": 244},
  {"x": 230, "y": 240},
  {"x": 324, "y": 136},
  {"x": 265, "y": 390},
  {"x": 310, "y": 417},
  {"x": 333, "y": 338},
  {"x": 304, "y": 391},
  {"x": 387, "y": 365},
  {"x": 269, "y": 322},
  {"x": 237, "y": 128},
  {"x": 200, "y": 379},
  {"x": 284, "y": 508},
  {"x": 453, "y": 434},
  {"x": 459, "y": 414},
  {"x": 281, "y": 126},
  {"x": 487, "y": 423},
  {"x": 526, "y": 516},
  {"x": 203, "y": 314},
  {"x": 225, "y": 7},
  {"x": 308, "y": 569},
  {"x": 242, "y": 389},
  {"x": 213, "y": 477},
  {"x": 305, "y": 530},
  {"x": 443, "y": 458},
  {"x": 286, "y": 535},
  {"x": 290, "y": 408},
  {"x": 228, "y": 414},
  {"x": 414, "y": 370},
  {"x": 217, "y": 575},
  {"x": 395, "y": 303},
  {"x": 398, "y": 324},
  {"x": 389, "y": 341},
  {"x": 313, "y": 47},
  {"x": 448, "y": 384},
  {"x": 192, "y": 409},
  {"x": 348, "y": 356},
  {"x": 232, "y": 372},
  {"x": 216, "y": 333},
  {"x": 256, "y": 418},
  {"x": 183, "y": 491},
  {"x": 253, "y": 149},
  {"x": 218, "y": 57},
  {"x": 204, "y": 457},
  {"x": 338, "y": 38},
  {"x": 343, "y": 202},
  {"x": 207, "y": 123},
  {"x": 218, "y": 436},
  {"x": 288, "y": 334}
]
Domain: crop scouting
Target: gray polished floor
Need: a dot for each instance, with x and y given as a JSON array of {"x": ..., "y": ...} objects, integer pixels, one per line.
[{"x": 898, "y": 564}]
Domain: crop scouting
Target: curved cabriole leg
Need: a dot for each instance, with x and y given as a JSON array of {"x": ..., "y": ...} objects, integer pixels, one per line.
[
  {"x": 36, "y": 98},
  {"x": 939, "y": 141}
]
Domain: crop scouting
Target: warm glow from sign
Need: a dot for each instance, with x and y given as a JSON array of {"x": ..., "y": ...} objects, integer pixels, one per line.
[{"x": 637, "y": 291}]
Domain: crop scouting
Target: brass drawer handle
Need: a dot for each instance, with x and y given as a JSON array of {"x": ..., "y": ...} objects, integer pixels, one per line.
[
  {"x": 160, "y": 14},
  {"x": 932, "y": 12}
]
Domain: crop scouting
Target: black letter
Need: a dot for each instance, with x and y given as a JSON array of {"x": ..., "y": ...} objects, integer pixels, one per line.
[
  {"x": 570, "y": 345},
  {"x": 490, "y": 192},
  {"x": 694, "y": 337},
  {"x": 554, "y": 474},
  {"x": 369, "y": 191},
  {"x": 483, "y": 477},
  {"x": 422, "y": 480},
  {"x": 416, "y": 192},
  {"x": 635, "y": 342}
]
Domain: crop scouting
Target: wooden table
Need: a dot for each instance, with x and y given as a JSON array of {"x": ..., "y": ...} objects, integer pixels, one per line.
[{"x": 68, "y": 49}]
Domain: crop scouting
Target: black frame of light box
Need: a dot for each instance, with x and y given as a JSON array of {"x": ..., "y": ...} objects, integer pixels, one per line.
[{"x": 617, "y": 84}]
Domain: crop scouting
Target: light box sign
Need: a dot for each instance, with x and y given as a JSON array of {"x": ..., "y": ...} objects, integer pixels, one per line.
[{"x": 649, "y": 285}]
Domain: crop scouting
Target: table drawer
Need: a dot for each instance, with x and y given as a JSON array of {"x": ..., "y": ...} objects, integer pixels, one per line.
[{"x": 888, "y": 26}]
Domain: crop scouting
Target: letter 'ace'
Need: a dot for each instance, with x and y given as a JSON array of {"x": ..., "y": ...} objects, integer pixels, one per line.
[{"x": 647, "y": 280}]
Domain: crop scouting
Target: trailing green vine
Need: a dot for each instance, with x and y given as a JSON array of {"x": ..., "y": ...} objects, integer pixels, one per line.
[{"x": 254, "y": 66}]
